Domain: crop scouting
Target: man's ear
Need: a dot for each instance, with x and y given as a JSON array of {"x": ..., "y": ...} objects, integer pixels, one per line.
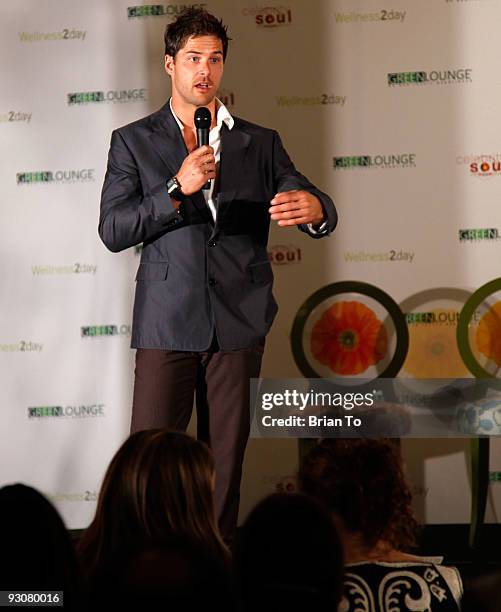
[{"x": 169, "y": 64}]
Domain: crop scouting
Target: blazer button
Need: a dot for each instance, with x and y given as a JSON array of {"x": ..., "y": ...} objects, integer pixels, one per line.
[
  {"x": 212, "y": 282},
  {"x": 212, "y": 243}
]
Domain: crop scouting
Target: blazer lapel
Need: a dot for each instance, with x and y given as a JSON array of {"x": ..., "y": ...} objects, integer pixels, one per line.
[
  {"x": 234, "y": 144},
  {"x": 168, "y": 142}
]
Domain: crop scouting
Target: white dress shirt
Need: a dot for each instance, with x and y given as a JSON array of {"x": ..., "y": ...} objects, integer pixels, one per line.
[{"x": 222, "y": 116}]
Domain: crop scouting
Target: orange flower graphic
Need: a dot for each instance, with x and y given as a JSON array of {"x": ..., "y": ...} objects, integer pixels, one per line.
[
  {"x": 433, "y": 350},
  {"x": 348, "y": 338},
  {"x": 488, "y": 337}
]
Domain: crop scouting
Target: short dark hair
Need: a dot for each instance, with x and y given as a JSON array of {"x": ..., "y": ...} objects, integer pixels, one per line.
[{"x": 194, "y": 22}]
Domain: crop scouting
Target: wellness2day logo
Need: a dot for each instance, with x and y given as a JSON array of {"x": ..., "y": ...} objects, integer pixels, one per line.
[
  {"x": 112, "y": 95},
  {"x": 381, "y": 16},
  {"x": 23, "y": 346},
  {"x": 64, "y": 34},
  {"x": 81, "y": 411},
  {"x": 15, "y": 117},
  {"x": 269, "y": 17},
  {"x": 159, "y": 10},
  {"x": 386, "y": 161},
  {"x": 320, "y": 100},
  {"x": 76, "y": 268},
  {"x": 379, "y": 257},
  {"x": 432, "y": 77},
  {"x": 85, "y": 175}
]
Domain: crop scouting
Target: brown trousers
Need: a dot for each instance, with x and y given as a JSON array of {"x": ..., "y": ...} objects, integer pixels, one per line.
[{"x": 164, "y": 388}]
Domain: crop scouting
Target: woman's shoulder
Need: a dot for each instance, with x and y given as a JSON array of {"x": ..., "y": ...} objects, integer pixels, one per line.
[{"x": 418, "y": 579}]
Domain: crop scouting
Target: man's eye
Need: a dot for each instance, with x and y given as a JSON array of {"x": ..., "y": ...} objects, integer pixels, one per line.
[
  {"x": 215, "y": 60},
  {"x": 194, "y": 58}
]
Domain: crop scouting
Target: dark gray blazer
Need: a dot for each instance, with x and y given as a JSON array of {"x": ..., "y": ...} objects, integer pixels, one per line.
[{"x": 196, "y": 276}]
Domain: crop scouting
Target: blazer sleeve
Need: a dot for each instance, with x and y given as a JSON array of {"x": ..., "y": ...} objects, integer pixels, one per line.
[
  {"x": 288, "y": 178},
  {"x": 128, "y": 214}
]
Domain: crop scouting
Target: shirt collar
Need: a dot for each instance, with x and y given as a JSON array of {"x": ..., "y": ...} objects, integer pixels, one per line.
[{"x": 222, "y": 116}]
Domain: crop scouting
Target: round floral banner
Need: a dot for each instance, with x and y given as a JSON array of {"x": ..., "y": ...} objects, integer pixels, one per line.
[{"x": 349, "y": 329}]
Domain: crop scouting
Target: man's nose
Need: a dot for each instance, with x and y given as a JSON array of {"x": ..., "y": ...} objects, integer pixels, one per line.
[{"x": 204, "y": 68}]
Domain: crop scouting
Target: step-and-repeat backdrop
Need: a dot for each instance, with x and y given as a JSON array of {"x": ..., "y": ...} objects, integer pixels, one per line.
[{"x": 390, "y": 107}]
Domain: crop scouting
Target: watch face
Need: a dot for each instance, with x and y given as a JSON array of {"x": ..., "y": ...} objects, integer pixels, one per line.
[{"x": 172, "y": 185}]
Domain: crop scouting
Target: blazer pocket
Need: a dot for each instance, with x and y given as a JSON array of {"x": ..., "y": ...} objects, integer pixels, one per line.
[
  {"x": 261, "y": 273},
  {"x": 152, "y": 271}
]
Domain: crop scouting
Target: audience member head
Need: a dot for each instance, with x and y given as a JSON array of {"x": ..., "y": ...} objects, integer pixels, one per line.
[
  {"x": 288, "y": 555},
  {"x": 175, "y": 575},
  {"x": 37, "y": 553},
  {"x": 361, "y": 481},
  {"x": 159, "y": 485}
]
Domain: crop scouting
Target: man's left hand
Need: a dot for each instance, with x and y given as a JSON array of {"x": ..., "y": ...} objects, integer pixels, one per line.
[{"x": 296, "y": 208}]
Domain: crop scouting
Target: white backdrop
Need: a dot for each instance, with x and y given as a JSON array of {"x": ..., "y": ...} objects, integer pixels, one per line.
[{"x": 410, "y": 87}]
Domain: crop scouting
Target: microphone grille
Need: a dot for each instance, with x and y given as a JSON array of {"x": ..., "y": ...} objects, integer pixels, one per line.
[{"x": 203, "y": 118}]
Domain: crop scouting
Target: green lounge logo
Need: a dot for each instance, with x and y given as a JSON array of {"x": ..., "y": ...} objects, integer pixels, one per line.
[
  {"x": 432, "y": 318},
  {"x": 379, "y": 256},
  {"x": 445, "y": 317},
  {"x": 438, "y": 77},
  {"x": 112, "y": 95},
  {"x": 159, "y": 10},
  {"x": 320, "y": 100},
  {"x": 15, "y": 116},
  {"x": 84, "y": 175},
  {"x": 383, "y": 15},
  {"x": 477, "y": 235},
  {"x": 81, "y": 411},
  {"x": 23, "y": 346},
  {"x": 403, "y": 160},
  {"x": 76, "y": 268},
  {"x": 96, "y": 331},
  {"x": 65, "y": 34}
]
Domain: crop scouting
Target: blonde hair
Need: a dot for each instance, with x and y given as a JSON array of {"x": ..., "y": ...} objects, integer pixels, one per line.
[{"x": 158, "y": 486}]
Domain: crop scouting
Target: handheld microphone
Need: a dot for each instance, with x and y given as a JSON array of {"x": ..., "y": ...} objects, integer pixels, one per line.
[{"x": 203, "y": 120}]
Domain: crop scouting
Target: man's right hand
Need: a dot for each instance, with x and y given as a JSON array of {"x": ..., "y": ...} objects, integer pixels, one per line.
[{"x": 197, "y": 169}]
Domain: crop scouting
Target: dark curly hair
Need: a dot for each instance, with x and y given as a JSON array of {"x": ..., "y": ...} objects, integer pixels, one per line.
[
  {"x": 194, "y": 21},
  {"x": 362, "y": 481}
]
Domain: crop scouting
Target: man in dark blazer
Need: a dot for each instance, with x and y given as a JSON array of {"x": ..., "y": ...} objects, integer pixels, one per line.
[{"x": 204, "y": 300}]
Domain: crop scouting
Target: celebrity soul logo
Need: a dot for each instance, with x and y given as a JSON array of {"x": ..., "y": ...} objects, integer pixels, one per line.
[
  {"x": 270, "y": 17},
  {"x": 282, "y": 254}
]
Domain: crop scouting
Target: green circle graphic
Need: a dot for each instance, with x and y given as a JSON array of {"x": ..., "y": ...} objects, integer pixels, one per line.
[
  {"x": 378, "y": 295},
  {"x": 465, "y": 316}
]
